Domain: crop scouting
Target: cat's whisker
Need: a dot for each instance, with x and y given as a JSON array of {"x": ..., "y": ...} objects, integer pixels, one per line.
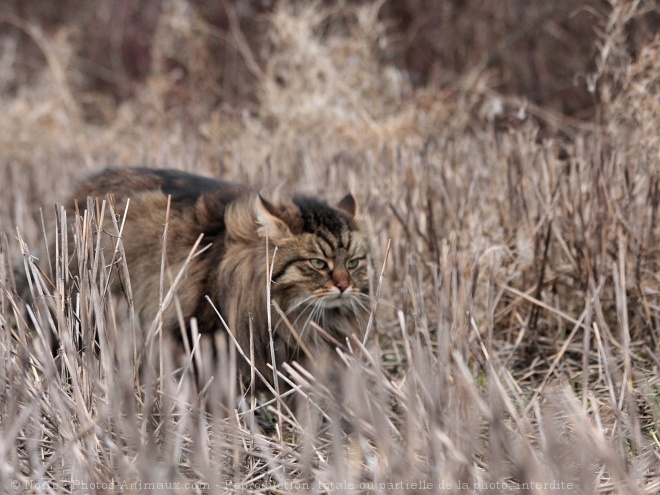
[
  {"x": 293, "y": 308},
  {"x": 318, "y": 315},
  {"x": 361, "y": 295},
  {"x": 300, "y": 314},
  {"x": 309, "y": 318},
  {"x": 321, "y": 323},
  {"x": 360, "y": 303},
  {"x": 298, "y": 304},
  {"x": 310, "y": 305},
  {"x": 355, "y": 311}
]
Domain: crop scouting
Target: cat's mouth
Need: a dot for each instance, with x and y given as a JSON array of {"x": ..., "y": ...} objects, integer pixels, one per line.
[
  {"x": 334, "y": 302},
  {"x": 337, "y": 299}
]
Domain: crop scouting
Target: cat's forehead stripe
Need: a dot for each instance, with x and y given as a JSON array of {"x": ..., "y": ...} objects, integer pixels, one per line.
[
  {"x": 349, "y": 241},
  {"x": 321, "y": 247},
  {"x": 345, "y": 239},
  {"x": 323, "y": 237}
]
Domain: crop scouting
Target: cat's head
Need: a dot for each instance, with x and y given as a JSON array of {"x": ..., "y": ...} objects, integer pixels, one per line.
[{"x": 321, "y": 262}]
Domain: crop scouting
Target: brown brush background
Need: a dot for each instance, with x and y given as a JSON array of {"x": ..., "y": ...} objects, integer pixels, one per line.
[{"x": 510, "y": 153}]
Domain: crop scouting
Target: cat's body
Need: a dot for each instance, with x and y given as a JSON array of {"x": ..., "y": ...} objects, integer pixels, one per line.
[{"x": 319, "y": 269}]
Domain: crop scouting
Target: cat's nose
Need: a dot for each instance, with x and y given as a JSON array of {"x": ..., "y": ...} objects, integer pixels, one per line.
[
  {"x": 342, "y": 286},
  {"x": 341, "y": 280}
]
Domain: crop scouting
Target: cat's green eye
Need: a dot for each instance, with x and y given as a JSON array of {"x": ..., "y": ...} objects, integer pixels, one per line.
[
  {"x": 318, "y": 264},
  {"x": 352, "y": 264}
]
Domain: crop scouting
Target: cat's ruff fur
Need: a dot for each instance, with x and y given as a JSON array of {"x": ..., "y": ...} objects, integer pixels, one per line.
[{"x": 235, "y": 220}]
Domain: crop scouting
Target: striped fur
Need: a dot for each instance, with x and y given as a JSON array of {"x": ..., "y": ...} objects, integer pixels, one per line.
[{"x": 319, "y": 268}]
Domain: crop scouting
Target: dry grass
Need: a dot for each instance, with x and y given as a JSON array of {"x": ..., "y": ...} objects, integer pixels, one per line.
[{"x": 517, "y": 338}]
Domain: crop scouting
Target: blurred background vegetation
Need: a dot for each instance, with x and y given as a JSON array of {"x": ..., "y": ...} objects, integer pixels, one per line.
[{"x": 543, "y": 51}]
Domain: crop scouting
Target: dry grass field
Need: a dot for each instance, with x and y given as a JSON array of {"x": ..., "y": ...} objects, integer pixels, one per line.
[{"x": 506, "y": 158}]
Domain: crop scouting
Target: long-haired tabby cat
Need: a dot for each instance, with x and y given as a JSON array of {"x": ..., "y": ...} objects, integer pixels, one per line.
[{"x": 319, "y": 254}]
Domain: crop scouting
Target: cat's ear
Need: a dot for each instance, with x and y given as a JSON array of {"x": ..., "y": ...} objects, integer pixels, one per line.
[
  {"x": 270, "y": 219},
  {"x": 348, "y": 205}
]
